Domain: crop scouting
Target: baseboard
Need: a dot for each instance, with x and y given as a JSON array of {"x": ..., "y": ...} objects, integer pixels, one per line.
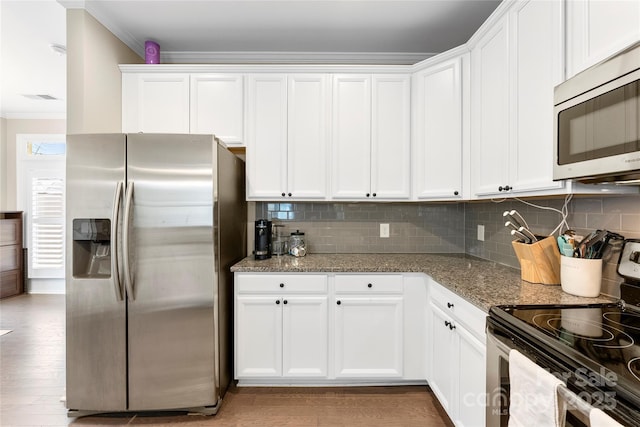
[{"x": 45, "y": 286}]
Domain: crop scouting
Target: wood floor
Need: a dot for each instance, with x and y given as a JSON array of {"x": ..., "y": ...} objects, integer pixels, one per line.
[{"x": 32, "y": 381}]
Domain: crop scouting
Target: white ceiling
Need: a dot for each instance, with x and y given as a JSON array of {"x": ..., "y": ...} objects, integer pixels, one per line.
[{"x": 189, "y": 31}]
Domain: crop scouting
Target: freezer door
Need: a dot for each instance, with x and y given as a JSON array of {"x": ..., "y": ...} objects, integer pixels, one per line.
[
  {"x": 96, "y": 312},
  {"x": 171, "y": 270}
]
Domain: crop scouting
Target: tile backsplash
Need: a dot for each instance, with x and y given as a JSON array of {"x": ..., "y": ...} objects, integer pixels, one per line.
[
  {"x": 451, "y": 227},
  {"x": 355, "y": 227}
]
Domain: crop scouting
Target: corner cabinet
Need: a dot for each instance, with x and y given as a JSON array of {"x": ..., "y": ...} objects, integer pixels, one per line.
[
  {"x": 440, "y": 126},
  {"x": 457, "y": 356},
  {"x": 371, "y": 137},
  {"x": 516, "y": 62},
  {"x": 287, "y": 125}
]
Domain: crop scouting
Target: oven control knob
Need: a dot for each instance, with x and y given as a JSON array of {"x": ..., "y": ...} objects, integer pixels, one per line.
[{"x": 635, "y": 257}]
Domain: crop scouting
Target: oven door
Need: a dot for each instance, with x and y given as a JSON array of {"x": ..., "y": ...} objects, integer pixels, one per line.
[{"x": 499, "y": 344}]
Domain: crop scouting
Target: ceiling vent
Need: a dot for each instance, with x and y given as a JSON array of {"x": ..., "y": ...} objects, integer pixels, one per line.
[{"x": 41, "y": 97}]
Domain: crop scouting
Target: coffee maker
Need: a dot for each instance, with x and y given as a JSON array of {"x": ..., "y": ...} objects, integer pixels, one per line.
[{"x": 263, "y": 239}]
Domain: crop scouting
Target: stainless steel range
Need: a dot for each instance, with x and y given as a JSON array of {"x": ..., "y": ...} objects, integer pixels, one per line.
[{"x": 594, "y": 349}]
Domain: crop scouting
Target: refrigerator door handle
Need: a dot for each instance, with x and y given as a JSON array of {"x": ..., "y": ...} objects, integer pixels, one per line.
[
  {"x": 128, "y": 205},
  {"x": 115, "y": 219}
]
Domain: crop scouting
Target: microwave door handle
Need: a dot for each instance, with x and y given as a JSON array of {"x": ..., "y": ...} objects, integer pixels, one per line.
[
  {"x": 115, "y": 219},
  {"x": 128, "y": 207}
]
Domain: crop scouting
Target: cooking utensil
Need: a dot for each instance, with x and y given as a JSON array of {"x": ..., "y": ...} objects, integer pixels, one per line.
[
  {"x": 520, "y": 236},
  {"x": 528, "y": 233}
]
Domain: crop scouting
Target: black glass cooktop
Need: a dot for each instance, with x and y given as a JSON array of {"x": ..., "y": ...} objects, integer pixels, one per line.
[{"x": 604, "y": 338}]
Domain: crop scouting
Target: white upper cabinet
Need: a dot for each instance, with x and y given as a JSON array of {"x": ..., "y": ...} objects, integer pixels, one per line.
[
  {"x": 308, "y": 132},
  {"x": 217, "y": 106},
  {"x": 390, "y": 137},
  {"x": 267, "y": 136},
  {"x": 597, "y": 29},
  {"x": 438, "y": 130},
  {"x": 515, "y": 66},
  {"x": 371, "y": 137},
  {"x": 287, "y": 136},
  {"x": 155, "y": 102},
  {"x": 351, "y": 140}
]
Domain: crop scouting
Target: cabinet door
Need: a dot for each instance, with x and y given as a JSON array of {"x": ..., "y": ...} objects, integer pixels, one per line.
[
  {"x": 471, "y": 377},
  {"x": 258, "y": 346},
  {"x": 438, "y": 141},
  {"x": 443, "y": 365},
  {"x": 217, "y": 106},
  {"x": 490, "y": 115},
  {"x": 155, "y": 103},
  {"x": 267, "y": 136},
  {"x": 537, "y": 68},
  {"x": 368, "y": 337},
  {"x": 597, "y": 29},
  {"x": 304, "y": 337},
  {"x": 351, "y": 140},
  {"x": 308, "y": 111},
  {"x": 390, "y": 137}
]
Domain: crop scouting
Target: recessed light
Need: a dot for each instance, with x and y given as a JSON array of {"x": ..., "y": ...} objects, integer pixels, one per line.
[{"x": 58, "y": 49}]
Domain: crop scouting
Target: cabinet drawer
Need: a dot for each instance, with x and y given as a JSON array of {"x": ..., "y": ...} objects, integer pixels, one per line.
[
  {"x": 369, "y": 283},
  {"x": 10, "y": 232},
  {"x": 459, "y": 309},
  {"x": 10, "y": 257},
  {"x": 10, "y": 283},
  {"x": 279, "y": 283}
]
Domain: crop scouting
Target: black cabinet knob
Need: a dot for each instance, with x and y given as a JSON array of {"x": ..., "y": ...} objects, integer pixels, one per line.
[
  {"x": 368, "y": 194},
  {"x": 447, "y": 323},
  {"x": 338, "y": 302},
  {"x": 455, "y": 193},
  {"x": 289, "y": 194},
  {"x": 374, "y": 194},
  {"x": 369, "y": 285},
  {"x": 282, "y": 285},
  {"x": 285, "y": 301},
  {"x": 452, "y": 326},
  {"x": 507, "y": 188},
  {"x": 500, "y": 188},
  {"x": 278, "y": 301},
  {"x": 449, "y": 305},
  {"x": 283, "y": 194}
]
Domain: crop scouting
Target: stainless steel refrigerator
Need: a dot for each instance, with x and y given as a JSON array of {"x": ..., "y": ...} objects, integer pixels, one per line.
[{"x": 153, "y": 224}]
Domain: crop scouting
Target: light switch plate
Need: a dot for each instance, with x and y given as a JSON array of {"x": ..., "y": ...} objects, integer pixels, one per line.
[{"x": 384, "y": 231}]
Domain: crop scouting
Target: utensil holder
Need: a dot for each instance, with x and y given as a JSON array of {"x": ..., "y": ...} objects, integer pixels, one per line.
[
  {"x": 539, "y": 261},
  {"x": 581, "y": 276}
]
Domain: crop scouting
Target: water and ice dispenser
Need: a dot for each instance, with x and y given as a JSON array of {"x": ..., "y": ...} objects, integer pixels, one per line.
[{"x": 92, "y": 248}]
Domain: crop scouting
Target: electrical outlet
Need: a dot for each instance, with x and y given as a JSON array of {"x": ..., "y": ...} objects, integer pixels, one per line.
[
  {"x": 384, "y": 231},
  {"x": 481, "y": 233}
]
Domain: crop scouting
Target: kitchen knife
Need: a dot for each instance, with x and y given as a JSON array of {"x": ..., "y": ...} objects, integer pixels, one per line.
[
  {"x": 528, "y": 233},
  {"x": 519, "y": 219},
  {"x": 511, "y": 225},
  {"x": 519, "y": 235},
  {"x": 511, "y": 219}
]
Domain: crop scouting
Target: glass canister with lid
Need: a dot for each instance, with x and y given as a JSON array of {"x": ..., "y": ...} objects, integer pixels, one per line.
[{"x": 297, "y": 244}]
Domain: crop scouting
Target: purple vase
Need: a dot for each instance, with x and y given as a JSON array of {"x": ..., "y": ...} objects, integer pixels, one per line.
[{"x": 151, "y": 52}]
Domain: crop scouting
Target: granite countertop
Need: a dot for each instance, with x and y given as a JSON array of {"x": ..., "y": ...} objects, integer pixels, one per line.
[{"x": 481, "y": 282}]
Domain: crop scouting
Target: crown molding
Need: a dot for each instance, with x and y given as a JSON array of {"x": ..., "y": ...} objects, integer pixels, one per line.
[
  {"x": 350, "y": 58},
  {"x": 264, "y": 68}
]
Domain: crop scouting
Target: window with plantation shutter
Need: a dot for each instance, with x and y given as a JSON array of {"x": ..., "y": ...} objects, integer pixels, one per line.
[
  {"x": 40, "y": 172},
  {"x": 47, "y": 228}
]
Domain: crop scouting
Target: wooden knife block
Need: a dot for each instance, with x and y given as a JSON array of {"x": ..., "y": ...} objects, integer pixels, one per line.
[{"x": 540, "y": 261}]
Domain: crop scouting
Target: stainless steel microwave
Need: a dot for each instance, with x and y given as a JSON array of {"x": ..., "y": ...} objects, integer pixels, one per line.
[{"x": 597, "y": 122}]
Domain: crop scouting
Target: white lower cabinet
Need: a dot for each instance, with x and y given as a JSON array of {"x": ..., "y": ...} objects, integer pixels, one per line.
[
  {"x": 368, "y": 337},
  {"x": 281, "y": 326},
  {"x": 373, "y": 331},
  {"x": 457, "y": 354}
]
